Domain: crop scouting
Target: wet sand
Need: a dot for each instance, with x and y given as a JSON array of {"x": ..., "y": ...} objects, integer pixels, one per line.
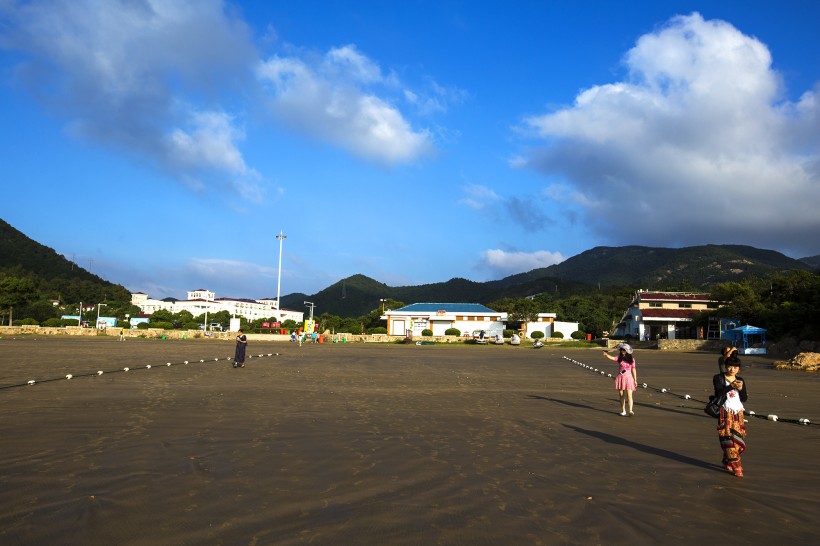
[{"x": 388, "y": 444}]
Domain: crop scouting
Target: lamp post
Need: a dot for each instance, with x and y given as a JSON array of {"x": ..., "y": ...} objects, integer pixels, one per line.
[
  {"x": 382, "y": 300},
  {"x": 97, "y": 324},
  {"x": 127, "y": 320},
  {"x": 281, "y": 238},
  {"x": 80, "y": 319},
  {"x": 311, "y": 305}
]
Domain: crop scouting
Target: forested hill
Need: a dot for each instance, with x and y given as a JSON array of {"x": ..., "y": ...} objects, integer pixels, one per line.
[
  {"x": 629, "y": 268},
  {"x": 54, "y": 275}
]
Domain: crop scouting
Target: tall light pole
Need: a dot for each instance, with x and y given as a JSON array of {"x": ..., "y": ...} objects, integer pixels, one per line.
[
  {"x": 383, "y": 300},
  {"x": 279, "y": 280},
  {"x": 97, "y": 325}
]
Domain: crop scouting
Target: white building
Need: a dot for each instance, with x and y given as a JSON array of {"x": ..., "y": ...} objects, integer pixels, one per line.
[
  {"x": 466, "y": 317},
  {"x": 200, "y": 301},
  {"x": 663, "y": 315}
]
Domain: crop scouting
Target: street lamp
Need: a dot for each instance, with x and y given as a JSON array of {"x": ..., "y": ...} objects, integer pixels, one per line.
[
  {"x": 382, "y": 300},
  {"x": 127, "y": 321},
  {"x": 97, "y": 324},
  {"x": 311, "y": 305},
  {"x": 80, "y": 319},
  {"x": 281, "y": 238}
]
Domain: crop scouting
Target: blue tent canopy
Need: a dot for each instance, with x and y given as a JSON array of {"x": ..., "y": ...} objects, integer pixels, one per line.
[{"x": 749, "y": 340}]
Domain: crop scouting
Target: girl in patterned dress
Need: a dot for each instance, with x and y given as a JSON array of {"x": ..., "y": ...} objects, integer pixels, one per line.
[
  {"x": 731, "y": 427},
  {"x": 627, "y": 379}
]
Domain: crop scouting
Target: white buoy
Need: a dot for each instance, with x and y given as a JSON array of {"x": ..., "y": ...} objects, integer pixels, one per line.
[
  {"x": 168, "y": 364},
  {"x": 68, "y": 376},
  {"x": 751, "y": 413},
  {"x": 125, "y": 369},
  {"x": 148, "y": 367},
  {"x": 771, "y": 417},
  {"x": 186, "y": 362},
  {"x": 643, "y": 385},
  {"x": 99, "y": 372},
  {"x": 202, "y": 361},
  {"x": 663, "y": 390},
  {"x": 609, "y": 375},
  {"x": 804, "y": 421},
  {"x": 31, "y": 382},
  {"x": 687, "y": 397}
]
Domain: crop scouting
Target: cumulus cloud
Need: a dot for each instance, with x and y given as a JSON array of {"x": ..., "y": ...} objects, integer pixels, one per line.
[
  {"x": 333, "y": 99},
  {"x": 699, "y": 144},
  {"x": 144, "y": 77},
  {"x": 504, "y": 263}
]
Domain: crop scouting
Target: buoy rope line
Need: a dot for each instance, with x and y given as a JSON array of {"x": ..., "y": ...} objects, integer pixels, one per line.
[
  {"x": 663, "y": 390},
  {"x": 32, "y": 382}
]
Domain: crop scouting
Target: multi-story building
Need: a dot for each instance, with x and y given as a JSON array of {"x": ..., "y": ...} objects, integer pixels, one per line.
[
  {"x": 663, "y": 315},
  {"x": 201, "y": 301}
]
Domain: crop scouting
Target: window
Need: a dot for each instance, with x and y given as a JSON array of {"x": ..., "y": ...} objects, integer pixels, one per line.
[
  {"x": 655, "y": 305},
  {"x": 685, "y": 305}
]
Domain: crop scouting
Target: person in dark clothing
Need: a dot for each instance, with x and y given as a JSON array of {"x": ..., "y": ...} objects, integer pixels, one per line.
[{"x": 239, "y": 355}]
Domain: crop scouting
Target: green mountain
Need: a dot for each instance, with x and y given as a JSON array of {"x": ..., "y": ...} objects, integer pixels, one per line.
[
  {"x": 54, "y": 275},
  {"x": 812, "y": 261},
  {"x": 629, "y": 267}
]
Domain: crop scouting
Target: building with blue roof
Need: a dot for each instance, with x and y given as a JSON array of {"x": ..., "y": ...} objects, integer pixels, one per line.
[{"x": 412, "y": 319}]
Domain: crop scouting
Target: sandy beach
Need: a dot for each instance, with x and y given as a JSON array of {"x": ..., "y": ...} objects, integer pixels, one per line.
[{"x": 389, "y": 444}]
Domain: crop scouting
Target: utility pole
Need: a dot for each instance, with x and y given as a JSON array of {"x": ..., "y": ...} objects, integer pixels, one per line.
[{"x": 281, "y": 238}]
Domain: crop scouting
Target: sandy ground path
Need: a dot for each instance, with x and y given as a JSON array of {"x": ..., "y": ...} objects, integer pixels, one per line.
[{"x": 388, "y": 444}]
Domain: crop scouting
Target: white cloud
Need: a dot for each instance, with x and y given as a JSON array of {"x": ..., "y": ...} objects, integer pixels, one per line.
[
  {"x": 506, "y": 263},
  {"x": 332, "y": 100},
  {"x": 698, "y": 145},
  {"x": 478, "y": 196},
  {"x": 142, "y": 77}
]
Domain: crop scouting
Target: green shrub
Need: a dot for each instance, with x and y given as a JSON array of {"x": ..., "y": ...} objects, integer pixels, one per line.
[
  {"x": 427, "y": 332},
  {"x": 509, "y": 333},
  {"x": 377, "y": 330},
  {"x": 191, "y": 325},
  {"x": 53, "y": 322},
  {"x": 578, "y": 334},
  {"x": 558, "y": 335},
  {"x": 538, "y": 334},
  {"x": 143, "y": 326},
  {"x": 163, "y": 325},
  {"x": 452, "y": 332}
]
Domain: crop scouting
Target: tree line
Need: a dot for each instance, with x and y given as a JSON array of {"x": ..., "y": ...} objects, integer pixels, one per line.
[{"x": 785, "y": 303}]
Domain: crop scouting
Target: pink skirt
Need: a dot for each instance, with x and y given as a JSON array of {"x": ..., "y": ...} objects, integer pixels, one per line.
[{"x": 625, "y": 382}]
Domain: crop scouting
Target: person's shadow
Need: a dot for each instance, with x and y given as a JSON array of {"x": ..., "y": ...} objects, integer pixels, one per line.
[
  {"x": 566, "y": 403},
  {"x": 651, "y": 450}
]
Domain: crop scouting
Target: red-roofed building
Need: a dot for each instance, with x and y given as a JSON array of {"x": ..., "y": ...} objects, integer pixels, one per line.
[{"x": 663, "y": 315}]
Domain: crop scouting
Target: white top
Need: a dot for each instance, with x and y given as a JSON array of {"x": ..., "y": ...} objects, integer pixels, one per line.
[{"x": 733, "y": 402}]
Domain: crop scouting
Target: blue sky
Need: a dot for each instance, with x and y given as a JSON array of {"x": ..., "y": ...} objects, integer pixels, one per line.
[{"x": 163, "y": 145}]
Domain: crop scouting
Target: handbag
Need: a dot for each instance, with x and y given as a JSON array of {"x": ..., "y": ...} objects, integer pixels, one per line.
[{"x": 714, "y": 404}]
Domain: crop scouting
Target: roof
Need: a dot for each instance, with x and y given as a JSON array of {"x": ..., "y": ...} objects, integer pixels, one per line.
[
  {"x": 747, "y": 330},
  {"x": 668, "y": 313},
  {"x": 672, "y": 296},
  {"x": 446, "y": 307}
]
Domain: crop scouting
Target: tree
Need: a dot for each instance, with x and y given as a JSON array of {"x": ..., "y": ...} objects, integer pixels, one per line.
[
  {"x": 16, "y": 292},
  {"x": 162, "y": 315}
]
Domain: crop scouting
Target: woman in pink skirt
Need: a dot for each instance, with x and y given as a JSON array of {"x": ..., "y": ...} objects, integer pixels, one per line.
[{"x": 627, "y": 378}]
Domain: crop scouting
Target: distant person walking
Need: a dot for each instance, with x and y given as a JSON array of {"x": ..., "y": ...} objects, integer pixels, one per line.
[
  {"x": 122, "y": 334},
  {"x": 731, "y": 426},
  {"x": 627, "y": 379},
  {"x": 239, "y": 355}
]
